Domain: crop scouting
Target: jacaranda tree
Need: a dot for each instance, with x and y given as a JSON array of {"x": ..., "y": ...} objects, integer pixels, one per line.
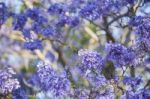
[{"x": 74, "y": 49}]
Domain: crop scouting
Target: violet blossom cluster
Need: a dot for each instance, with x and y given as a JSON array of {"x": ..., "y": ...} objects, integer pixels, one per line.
[
  {"x": 48, "y": 79},
  {"x": 91, "y": 66},
  {"x": 7, "y": 82},
  {"x": 143, "y": 35},
  {"x": 120, "y": 55}
]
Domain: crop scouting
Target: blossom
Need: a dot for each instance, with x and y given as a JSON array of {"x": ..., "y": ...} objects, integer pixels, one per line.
[
  {"x": 33, "y": 44},
  {"x": 81, "y": 93},
  {"x": 50, "y": 80},
  {"x": 3, "y": 13},
  {"x": 7, "y": 82},
  {"x": 48, "y": 31},
  {"x": 139, "y": 94},
  {"x": 19, "y": 94},
  {"x": 74, "y": 21},
  {"x": 131, "y": 95},
  {"x": 146, "y": 93},
  {"x": 32, "y": 13},
  {"x": 90, "y": 61},
  {"x": 120, "y": 55},
  {"x": 36, "y": 27},
  {"x": 34, "y": 80},
  {"x": 133, "y": 81},
  {"x": 96, "y": 80},
  {"x": 107, "y": 94},
  {"x": 19, "y": 21},
  {"x": 26, "y": 33},
  {"x": 143, "y": 35},
  {"x": 41, "y": 20},
  {"x": 90, "y": 11},
  {"x": 91, "y": 66},
  {"x": 136, "y": 20},
  {"x": 94, "y": 9},
  {"x": 62, "y": 20},
  {"x": 57, "y": 8}
]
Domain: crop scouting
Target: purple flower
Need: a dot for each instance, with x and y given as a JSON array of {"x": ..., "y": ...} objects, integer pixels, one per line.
[
  {"x": 61, "y": 86},
  {"x": 36, "y": 27},
  {"x": 133, "y": 81},
  {"x": 50, "y": 80},
  {"x": 139, "y": 94},
  {"x": 26, "y": 33},
  {"x": 146, "y": 1},
  {"x": 34, "y": 80},
  {"x": 120, "y": 55},
  {"x": 33, "y": 44},
  {"x": 50, "y": 56},
  {"x": 81, "y": 93},
  {"x": 131, "y": 95},
  {"x": 91, "y": 67},
  {"x": 46, "y": 75},
  {"x": 19, "y": 21},
  {"x": 90, "y": 61},
  {"x": 19, "y": 94},
  {"x": 90, "y": 11},
  {"x": 107, "y": 94},
  {"x": 96, "y": 80},
  {"x": 3, "y": 13},
  {"x": 94, "y": 9},
  {"x": 48, "y": 31},
  {"x": 41, "y": 20},
  {"x": 136, "y": 20},
  {"x": 33, "y": 13},
  {"x": 130, "y": 1},
  {"x": 73, "y": 21},
  {"x": 146, "y": 93},
  {"x": 62, "y": 20},
  {"x": 7, "y": 82},
  {"x": 57, "y": 8},
  {"x": 143, "y": 35}
]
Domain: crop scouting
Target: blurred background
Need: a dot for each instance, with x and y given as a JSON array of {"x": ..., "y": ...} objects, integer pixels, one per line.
[{"x": 63, "y": 52}]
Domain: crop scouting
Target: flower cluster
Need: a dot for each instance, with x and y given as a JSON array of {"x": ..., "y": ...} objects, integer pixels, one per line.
[
  {"x": 7, "y": 82},
  {"x": 94, "y": 9},
  {"x": 3, "y": 13},
  {"x": 91, "y": 60},
  {"x": 107, "y": 94},
  {"x": 91, "y": 66},
  {"x": 120, "y": 55},
  {"x": 143, "y": 35},
  {"x": 33, "y": 44},
  {"x": 19, "y": 94},
  {"x": 66, "y": 14},
  {"x": 95, "y": 94},
  {"x": 133, "y": 81},
  {"x": 81, "y": 93},
  {"x": 50, "y": 80},
  {"x": 142, "y": 94}
]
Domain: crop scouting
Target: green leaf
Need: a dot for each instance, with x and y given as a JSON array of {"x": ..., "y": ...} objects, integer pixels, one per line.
[{"x": 109, "y": 70}]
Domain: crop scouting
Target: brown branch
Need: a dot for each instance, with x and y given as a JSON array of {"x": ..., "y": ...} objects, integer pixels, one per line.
[
  {"x": 147, "y": 84},
  {"x": 109, "y": 37}
]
